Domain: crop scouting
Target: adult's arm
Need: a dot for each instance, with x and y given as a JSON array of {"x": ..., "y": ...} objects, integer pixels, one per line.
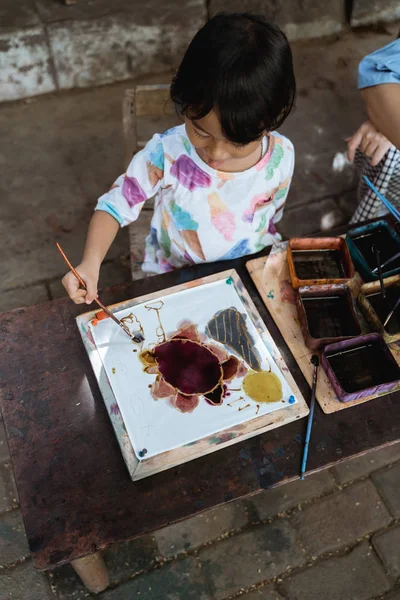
[
  {"x": 379, "y": 82},
  {"x": 383, "y": 107}
]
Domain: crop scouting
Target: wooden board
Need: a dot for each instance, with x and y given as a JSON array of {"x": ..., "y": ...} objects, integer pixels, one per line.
[
  {"x": 290, "y": 407},
  {"x": 271, "y": 277}
]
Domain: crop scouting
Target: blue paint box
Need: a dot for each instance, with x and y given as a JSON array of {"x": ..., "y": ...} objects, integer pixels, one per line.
[{"x": 360, "y": 242}]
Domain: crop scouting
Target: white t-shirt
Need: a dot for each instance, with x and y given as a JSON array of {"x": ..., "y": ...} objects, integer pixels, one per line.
[{"x": 201, "y": 214}]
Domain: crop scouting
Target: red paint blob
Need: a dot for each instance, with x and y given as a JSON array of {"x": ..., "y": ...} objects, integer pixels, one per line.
[
  {"x": 230, "y": 368},
  {"x": 216, "y": 396},
  {"x": 186, "y": 403},
  {"x": 188, "y": 366}
]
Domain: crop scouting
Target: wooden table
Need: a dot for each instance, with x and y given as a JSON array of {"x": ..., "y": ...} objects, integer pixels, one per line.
[{"x": 75, "y": 493}]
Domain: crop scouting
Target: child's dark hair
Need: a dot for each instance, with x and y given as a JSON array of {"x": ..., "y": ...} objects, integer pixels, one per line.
[{"x": 240, "y": 66}]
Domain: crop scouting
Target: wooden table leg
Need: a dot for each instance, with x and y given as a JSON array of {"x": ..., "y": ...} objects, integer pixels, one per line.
[{"x": 93, "y": 572}]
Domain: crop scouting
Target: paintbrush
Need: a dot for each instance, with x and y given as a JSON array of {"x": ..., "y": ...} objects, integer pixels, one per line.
[
  {"x": 375, "y": 250},
  {"x": 391, "y": 208},
  {"x": 135, "y": 337},
  {"x": 387, "y": 262},
  {"x": 390, "y": 315},
  {"x": 315, "y": 362}
]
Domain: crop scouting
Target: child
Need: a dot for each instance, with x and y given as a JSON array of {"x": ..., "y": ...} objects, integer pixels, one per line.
[{"x": 221, "y": 179}]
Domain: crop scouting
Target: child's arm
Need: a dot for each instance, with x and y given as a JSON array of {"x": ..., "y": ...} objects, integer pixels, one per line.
[
  {"x": 118, "y": 207},
  {"x": 102, "y": 231}
]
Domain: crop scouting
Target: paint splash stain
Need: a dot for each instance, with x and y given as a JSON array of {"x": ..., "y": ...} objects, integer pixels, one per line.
[
  {"x": 222, "y": 438},
  {"x": 286, "y": 292}
]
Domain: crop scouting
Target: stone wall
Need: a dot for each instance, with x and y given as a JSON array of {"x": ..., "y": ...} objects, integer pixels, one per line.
[{"x": 46, "y": 45}]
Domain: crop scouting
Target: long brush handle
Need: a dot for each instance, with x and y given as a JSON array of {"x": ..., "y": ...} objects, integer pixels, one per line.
[
  {"x": 83, "y": 284},
  {"x": 375, "y": 250},
  {"x": 387, "y": 262},
  {"x": 309, "y": 423},
  {"x": 384, "y": 200},
  {"x": 390, "y": 315}
]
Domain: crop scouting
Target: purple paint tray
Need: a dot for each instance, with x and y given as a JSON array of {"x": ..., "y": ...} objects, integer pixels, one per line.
[
  {"x": 361, "y": 367},
  {"x": 326, "y": 314}
]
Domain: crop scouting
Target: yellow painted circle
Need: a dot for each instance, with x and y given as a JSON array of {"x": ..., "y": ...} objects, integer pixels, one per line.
[{"x": 262, "y": 387}]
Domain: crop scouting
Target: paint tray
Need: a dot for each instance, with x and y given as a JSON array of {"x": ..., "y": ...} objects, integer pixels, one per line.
[
  {"x": 361, "y": 367},
  {"x": 319, "y": 261},
  {"x": 159, "y": 422},
  {"x": 375, "y": 308},
  {"x": 326, "y": 315},
  {"x": 360, "y": 242}
]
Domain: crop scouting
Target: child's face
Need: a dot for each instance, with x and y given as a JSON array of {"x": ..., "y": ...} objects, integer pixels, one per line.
[{"x": 219, "y": 153}]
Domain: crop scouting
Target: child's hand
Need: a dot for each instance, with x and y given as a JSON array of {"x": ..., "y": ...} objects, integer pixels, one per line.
[
  {"x": 372, "y": 143},
  {"x": 90, "y": 276}
]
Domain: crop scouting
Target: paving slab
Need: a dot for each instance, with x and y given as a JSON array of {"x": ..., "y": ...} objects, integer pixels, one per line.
[
  {"x": 250, "y": 558},
  {"x": 387, "y": 482},
  {"x": 387, "y": 544},
  {"x": 308, "y": 19},
  {"x": 340, "y": 519},
  {"x": 366, "y": 12},
  {"x": 8, "y": 491},
  {"x": 18, "y": 14},
  {"x": 264, "y": 593},
  {"x": 201, "y": 529},
  {"x": 123, "y": 562},
  {"x": 24, "y": 582},
  {"x": 364, "y": 465},
  {"x": 4, "y": 453},
  {"x": 357, "y": 575},
  {"x": 144, "y": 13},
  {"x": 137, "y": 40},
  {"x": 13, "y": 542},
  {"x": 278, "y": 500},
  {"x": 25, "y": 64},
  {"x": 293, "y": 223},
  {"x": 177, "y": 580}
]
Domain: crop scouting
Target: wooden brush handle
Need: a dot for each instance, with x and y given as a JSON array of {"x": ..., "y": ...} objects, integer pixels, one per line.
[{"x": 75, "y": 272}]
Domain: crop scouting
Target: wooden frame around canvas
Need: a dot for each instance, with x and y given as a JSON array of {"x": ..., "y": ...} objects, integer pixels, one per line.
[{"x": 141, "y": 467}]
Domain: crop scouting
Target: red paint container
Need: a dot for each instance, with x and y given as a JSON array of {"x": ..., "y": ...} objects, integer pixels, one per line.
[{"x": 319, "y": 261}]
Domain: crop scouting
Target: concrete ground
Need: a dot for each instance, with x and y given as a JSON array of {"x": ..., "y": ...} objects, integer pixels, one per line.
[{"x": 335, "y": 534}]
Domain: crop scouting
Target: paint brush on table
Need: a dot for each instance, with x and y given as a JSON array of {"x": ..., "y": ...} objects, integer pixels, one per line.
[
  {"x": 135, "y": 337},
  {"x": 387, "y": 262},
  {"x": 391, "y": 208},
  {"x": 375, "y": 250},
  {"x": 315, "y": 362},
  {"x": 390, "y": 315}
]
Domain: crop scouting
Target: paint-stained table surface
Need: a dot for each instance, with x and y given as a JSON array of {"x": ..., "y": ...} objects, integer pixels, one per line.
[{"x": 75, "y": 492}]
